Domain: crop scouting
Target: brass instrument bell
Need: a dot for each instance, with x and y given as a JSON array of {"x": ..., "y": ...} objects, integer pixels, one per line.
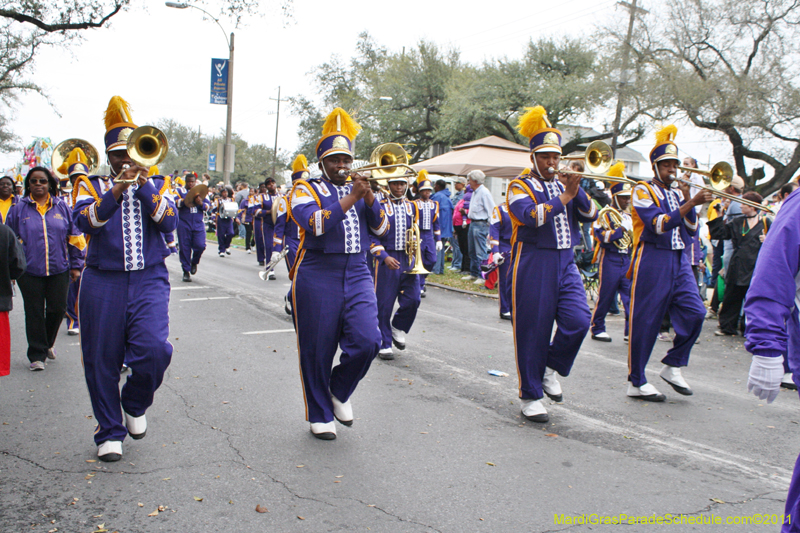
[
  {"x": 610, "y": 220},
  {"x": 63, "y": 149},
  {"x": 597, "y": 158},
  {"x": 147, "y": 146}
]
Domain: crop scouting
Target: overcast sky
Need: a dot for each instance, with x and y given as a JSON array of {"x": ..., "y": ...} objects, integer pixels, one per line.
[{"x": 159, "y": 59}]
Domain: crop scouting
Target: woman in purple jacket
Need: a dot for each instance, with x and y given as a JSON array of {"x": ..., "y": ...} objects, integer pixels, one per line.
[{"x": 54, "y": 250}]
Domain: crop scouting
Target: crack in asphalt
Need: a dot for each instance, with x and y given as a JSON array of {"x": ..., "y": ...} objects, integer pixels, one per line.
[
  {"x": 387, "y": 513},
  {"x": 94, "y": 471}
]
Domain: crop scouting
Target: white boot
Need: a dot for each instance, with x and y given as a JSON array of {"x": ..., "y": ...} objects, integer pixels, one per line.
[
  {"x": 343, "y": 412},
  {"x": 110, "y": 451},
  {"x": 646, "y": 392},
  {"x": 137, "y": 426},
  {"x": 399, "y": 338},
  {"x": 673, "y": 376},
  {"x": 323, "y": 430},
  {"x": 386, "y": 354},
  {"x": 534, "y": 411},
  {"x": 551, "y": 385}
]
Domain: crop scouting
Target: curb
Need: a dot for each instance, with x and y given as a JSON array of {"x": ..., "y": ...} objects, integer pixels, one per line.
[{"x": 462, "y": 291}]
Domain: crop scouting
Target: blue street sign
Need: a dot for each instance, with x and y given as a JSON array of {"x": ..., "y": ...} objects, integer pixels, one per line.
[
  {"x": 212, "y": 162},
  {"x": 219, "y": 81}
]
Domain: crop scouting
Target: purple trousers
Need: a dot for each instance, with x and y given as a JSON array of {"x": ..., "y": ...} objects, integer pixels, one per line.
[
  {"x": 224, "y": 233},
  {"x": 663, "y": 281},
  {"x": 72, "y": 304},
  {"x": 613, "y": 277},
  {"x": 192, "y": 241},
  {"x": 546, "y": 288},
  {"x": 428, "y": 252},
  {"x": 504, "y": 279},
  {"x": 124, "y": 317},
  {"x": 793, "y": 502},
  {"x": 394, "y": 285},
  {"x": 334, "y": 307},
  {"x": 263, "y": 231}
]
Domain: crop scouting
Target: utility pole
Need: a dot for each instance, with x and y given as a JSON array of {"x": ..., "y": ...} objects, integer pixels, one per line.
[
  {"x": 277, "y": 121},
  {"x": 623, "y": 76}
]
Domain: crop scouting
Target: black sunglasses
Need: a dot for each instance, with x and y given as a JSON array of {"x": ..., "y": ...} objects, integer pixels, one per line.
[{"x": 39, "y": 181}]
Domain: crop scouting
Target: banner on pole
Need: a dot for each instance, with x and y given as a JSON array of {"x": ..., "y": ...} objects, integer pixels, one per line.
[
  {"x": 212, "y": 162},
  {"x": 219, "y": 81}
]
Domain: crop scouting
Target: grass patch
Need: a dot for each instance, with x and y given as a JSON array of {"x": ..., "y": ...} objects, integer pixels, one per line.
[
  {"x": 237, "y": 241},
  {"x": 453, "y": 279}
]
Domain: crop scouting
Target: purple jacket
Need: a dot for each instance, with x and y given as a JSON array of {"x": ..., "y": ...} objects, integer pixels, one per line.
[
  {"x": 52, "y": 243},
  {"x": 770, "y": 305}
]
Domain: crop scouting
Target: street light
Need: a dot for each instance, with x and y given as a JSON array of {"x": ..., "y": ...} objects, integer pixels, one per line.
[{"x": 228, "y": 152}]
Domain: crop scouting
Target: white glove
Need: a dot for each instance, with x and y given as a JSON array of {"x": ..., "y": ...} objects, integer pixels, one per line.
[
  {"x": 275, "y": 256},
  {"x": 765, "y": 377},
  {"x": 498, "y": 258},
  {"x": 438, "y": 246},
  {"x": 627, "y": 224}
]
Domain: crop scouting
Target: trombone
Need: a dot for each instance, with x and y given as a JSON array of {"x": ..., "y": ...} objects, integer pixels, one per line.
[
  {"x": 147, "y": 146},
  {"x": 598, "y": 158},
  {"x": 720, "y": 177},
  {"x": 383, "y": 162}
]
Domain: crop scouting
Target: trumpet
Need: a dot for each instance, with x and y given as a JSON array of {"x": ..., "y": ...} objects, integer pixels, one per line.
[
  {"x": 414, "y": 250},
  {"x": 147, "y": 146},
  {"x": 610, "y": 220},
  {"x": 383, "y": 162},
  {"x": 597, "y": 158},
  {"x": 598, "y": 177},
  {"x": 720, "y": 177}
]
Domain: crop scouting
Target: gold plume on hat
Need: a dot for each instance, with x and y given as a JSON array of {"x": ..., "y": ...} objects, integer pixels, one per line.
[
  {"x": 617, "y": 170},
  {"x": 340, "y": 122},
  {"x": 533, "y": 120},
  {"x": 300, "y": 163},
  {"x": 153, "y": 171},
  {"x": 666, "y": 134},
  {"x": 422, "y": 175},
  {"x": 117, "y": 112}
]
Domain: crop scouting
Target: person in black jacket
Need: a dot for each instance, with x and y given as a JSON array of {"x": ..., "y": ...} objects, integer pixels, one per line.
[
  {"x": 746, "y": 232},
  {"x": 12, "y": 266}
]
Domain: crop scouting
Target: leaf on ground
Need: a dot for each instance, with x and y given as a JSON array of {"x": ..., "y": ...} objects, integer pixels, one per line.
[
  {"x": 337, "y": 477},
  {"x": 154, "y": 513},
  {"x": 491, "y": 464},
  {"x": 91, "y": 460},
  {"x": 717, "y": 500},
  {"x": 140, "y": 504},
  {"x": 260, "y": 509},
  {"x": 300, "y": 517},
  {"x": 162, "y": 508},
  {"x": 198, "y": 499},
  {"x": 550, "y": 435},
  {"x": 300, "y": 466},
  {"x": 165, "y": 479}
]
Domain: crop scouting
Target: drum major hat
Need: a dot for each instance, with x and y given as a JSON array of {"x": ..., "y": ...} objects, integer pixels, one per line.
[
  {"x": 76, "y": 164},
  {"x": 119, "y": 124},
  {"x": 665, "y": 147},
  {"x": 535, "y": 126},
  {"x": 338, "y": 133},
  {"x": 617, "y": 170},
  {"x": 300, "y": 168}
]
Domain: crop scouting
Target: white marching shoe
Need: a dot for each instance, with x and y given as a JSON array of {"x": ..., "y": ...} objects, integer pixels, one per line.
[
  {"x": 399, "y": 338},
  {"x": 137, "y": 425},
  {"x": 534, "y": 411},
  {"x": 646, "y": 392},
  {"x": 551, "y": 386},
  {"x": 386, "y": 354},
  {"x": 787, "y": 382},
  {"x": 342, "y": 411},
  {"x": 673, "y": 376},
  {"x": 110, "y": 451},
  {"x": 323, "y": 430}
]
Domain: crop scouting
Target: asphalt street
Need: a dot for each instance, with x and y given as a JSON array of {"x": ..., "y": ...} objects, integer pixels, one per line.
[{"x": 438, "y": 444}]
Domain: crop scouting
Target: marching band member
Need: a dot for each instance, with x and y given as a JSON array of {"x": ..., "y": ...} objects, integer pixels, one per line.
[
  {"x": 772, "y": 332},
  {"x": 500, "y": 240},
  {"x": 247, "y": 208},
  {"x": 191, "y": 228},
  {"x": 333, "y": 298},
  {"x": 223, "y": 222},
  {"x": 429, "y": 230},
  {"x": 124, "y": 298},
  {"x": 546, "y": 285},
  {"x": 263, "y": 226},
  {"x": 661, "y": 276},
  {"x": 287, "y": 233},
  {"x": 74, "y": 167},
  {"x": 8, "y": 197},
  {"x": 392, "y": 283},
  {"x": 167, "y": 188},
  {"x": 614, "y": 261}
]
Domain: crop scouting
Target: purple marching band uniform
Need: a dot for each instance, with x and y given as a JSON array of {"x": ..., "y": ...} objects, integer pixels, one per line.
[
  {"x": 773, "y": 331},
  {"x": 77, "y": 168},
  {"x": 333, "y": 297},
  {"x": 287, "y": 233},
  {"x": 247, "y": 208},
  {"x": 262, "y": 225},
  {"x": 614, "y": 265},
  {"x": 429, "y": 231},
  {"x": 661, "y": 279},
  {"x": 191, "y": 230},
  {"x": 546, "y": 285},
  {"x": 395, "y": 284},
  {"x": 124, "y": 295},
  {"x": 224, "y": 224},
  {"x": 500, "y": 230}
]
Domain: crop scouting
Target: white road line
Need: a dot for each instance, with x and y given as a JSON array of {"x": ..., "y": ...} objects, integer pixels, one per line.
[
  {"x": 780, "y": 477},
  {"x": 188, "y": 288},
  {"x": 206, "y": 298},
  {"x": 268, "y": 331},
  {"x": 462, "y": 321}
]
